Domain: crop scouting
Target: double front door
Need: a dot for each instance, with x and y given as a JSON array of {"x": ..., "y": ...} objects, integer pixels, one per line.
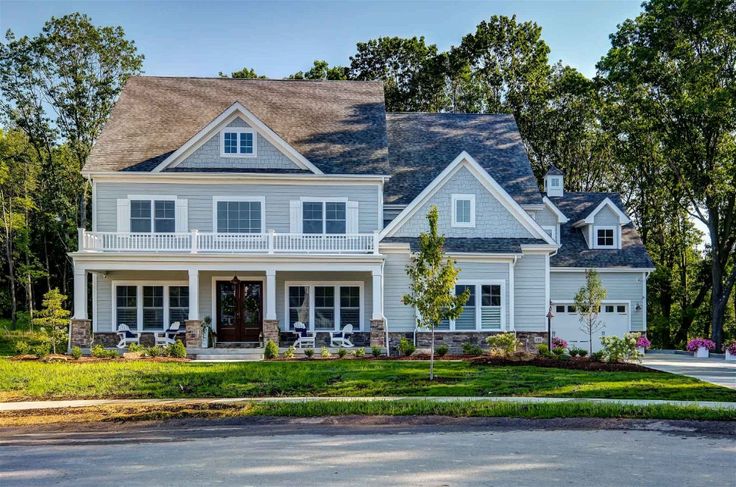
[{"x": 239, "y": 311}]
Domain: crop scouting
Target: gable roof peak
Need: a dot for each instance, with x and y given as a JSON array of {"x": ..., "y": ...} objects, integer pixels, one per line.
[{"x": 553, "y": 171}]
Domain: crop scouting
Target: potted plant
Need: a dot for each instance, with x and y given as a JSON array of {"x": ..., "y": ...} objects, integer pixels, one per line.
[
  {"x": 701, "y": 346},
  {"x": 731, "y": 351},
  {"x": 642, "y": 344}
]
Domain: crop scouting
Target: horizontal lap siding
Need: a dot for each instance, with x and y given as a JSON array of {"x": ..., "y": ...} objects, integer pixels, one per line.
[
  {"x": 200, "y": 196},
  {"x": 530, "y": 307},
  {"x": 395, "y": 285},
  {"x": 606, "y": 217},
  {"x": 624, "y": 286}
]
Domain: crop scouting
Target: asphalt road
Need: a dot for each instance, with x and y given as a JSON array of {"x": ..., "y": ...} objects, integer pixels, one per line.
[{"x": 352, "y": 452}]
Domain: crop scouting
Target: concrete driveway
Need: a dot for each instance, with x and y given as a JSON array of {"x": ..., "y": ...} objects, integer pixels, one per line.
[{"x": 714, "y": 370}]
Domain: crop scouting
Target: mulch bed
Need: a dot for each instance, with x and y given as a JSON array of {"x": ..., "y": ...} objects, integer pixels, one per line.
[
  {"x": 573, "y": 363},
  {"x": 88, "y": 360}
]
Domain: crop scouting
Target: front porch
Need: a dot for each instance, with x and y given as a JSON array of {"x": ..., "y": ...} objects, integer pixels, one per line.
[{"x": 248, "y": 303}]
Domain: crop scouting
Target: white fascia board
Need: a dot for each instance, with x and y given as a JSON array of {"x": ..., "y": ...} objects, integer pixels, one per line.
[
  {"x": 622, "y": 218},
  {"x": 534, "y": 248},
  {"x": 602, "y": 269},
  {"x": 561, "y": 218},
  {"x": 234, "y": 111},
  {"x": 143, "y": 177},
  {"x": 466, "y": 160}
]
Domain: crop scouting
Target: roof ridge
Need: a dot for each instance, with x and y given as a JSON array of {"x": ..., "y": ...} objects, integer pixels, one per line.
[
  {"x": 452, "y": 113},
  {"x": 146, "y": 76}
]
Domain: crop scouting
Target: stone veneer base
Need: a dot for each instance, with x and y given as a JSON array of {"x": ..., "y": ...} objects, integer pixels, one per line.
[{"x": 456, "y": 340}]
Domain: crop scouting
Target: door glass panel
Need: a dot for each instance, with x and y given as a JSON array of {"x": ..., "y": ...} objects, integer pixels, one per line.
[
  {"x": 251, "y": 305},
  {"x": 228, "y": 305}
]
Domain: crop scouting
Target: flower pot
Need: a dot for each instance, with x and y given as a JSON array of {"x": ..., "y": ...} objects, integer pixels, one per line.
[
  {"x": 730, "y": 357},
  {"x": 702, "y": 352},
  {"x": 641, "y": 350}
]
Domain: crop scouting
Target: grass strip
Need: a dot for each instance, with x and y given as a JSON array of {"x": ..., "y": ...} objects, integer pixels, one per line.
[{"x": 410, "y": 407}]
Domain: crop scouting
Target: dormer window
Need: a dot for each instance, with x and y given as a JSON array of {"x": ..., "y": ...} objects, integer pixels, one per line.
[
  {"x": 463, "y": 210},
  {"x": 237, "y": 142},
  {"x": 605, "y": 237}
]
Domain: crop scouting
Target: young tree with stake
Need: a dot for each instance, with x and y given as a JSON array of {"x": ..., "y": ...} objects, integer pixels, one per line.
[
  {"x": 588, "y": 302},
  {"x": 433, "y": 276}
]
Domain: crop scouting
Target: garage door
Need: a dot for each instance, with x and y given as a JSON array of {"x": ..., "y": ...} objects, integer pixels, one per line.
[{"x": 566, "y": 324}]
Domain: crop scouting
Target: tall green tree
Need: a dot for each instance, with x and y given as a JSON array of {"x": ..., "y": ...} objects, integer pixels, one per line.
[
  {"x": 53, "y": 318},
  {"x": 245, "y": 73},
  {"x": 433, "y": 276},
  {"x": 321, "y": 70},
  {"x": 676, "y": 63}
]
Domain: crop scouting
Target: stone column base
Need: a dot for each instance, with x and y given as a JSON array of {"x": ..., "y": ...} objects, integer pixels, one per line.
[
  {"x": 271, "y": 331},
  {"x": 194, "y": 333},
  {"x": 81, "y": 333},
  {"x": 378, "y": 333}
]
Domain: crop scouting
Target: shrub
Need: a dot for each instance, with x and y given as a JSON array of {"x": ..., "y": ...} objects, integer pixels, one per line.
[
  {"x": 76, "y": 353},
  {"x": 573, "y": 352},
  {"x": 617, "y": 349},
  {"x": 643, "y": 342},
  {"x": 156, "y": 351},
  {"x": 376, "y": 351},
  {"x": 22, "y": 348},
  {"x": 558, "y": 352},
  {"x": 406, "y": 347},
  {"x": 325, "y": 352},
  {"x": 309, "y": 352},
  {"x": 470, "y": 348},
  {"x": 730, "y": 347},
  {"x": 98, "y": 351},
  {"x": 290, "y": 352},
  {"x": 695, "y": 343},
  {"x": 543, "y": 350},
  {"x": 134, "y": 348},
  {"x": 359, "y": 352},
  {"x": 505, "y": 343},
  {"x": 272, "y": 350},
  {"x": 341, "y": 352},
  {"x": 582, "y": 352},
  {"x": 177, "y": 350},
  {"x": 558, "y": 342},
  {"x": 597, "y": 356},
  {"x": 442, "y": 350},
  {"x": 41, "y": 350}
]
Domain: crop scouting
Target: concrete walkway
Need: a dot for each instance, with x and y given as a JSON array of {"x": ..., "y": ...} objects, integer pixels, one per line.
[
  {"x": 36, "y": 405},
  {"x": 714, "y": 370}
]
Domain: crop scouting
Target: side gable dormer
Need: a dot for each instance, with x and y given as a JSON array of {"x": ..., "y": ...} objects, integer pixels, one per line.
[
  {"x": 236, "y": 139},
  {"x": 554, "y": 182},
  {"x": 550, "y": 218},
  {"x": 602, "y": 226}
]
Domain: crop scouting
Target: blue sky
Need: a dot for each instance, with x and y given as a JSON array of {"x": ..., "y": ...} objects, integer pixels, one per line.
[{"x": 280, "y": 37}]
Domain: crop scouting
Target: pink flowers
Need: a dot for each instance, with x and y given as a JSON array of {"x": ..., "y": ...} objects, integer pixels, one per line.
[
  {"x": 731, "y": 347},
  {"x": 643, "y": 342},
  {"x": 696, "y": 343},
  {"x": 558, "y": 342}
]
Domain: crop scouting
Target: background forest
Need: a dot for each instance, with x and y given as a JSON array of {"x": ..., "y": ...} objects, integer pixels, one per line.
[{"x": 657, "y": 123}]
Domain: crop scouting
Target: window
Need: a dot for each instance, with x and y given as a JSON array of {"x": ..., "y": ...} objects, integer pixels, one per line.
[
  {"x": 609, "y": 309},
  {"x": 466, "y": 321},
  {"x": 605, "y": 237},
  {"x": 238, "y": 142},
  {"x": 621, "y": 308},
  {"x": 239, "y": 216},
  {"x": 163, "y": 220},
  {"x": 126, "y": 301},
  {"x": 178, "y": 304},
  {"x": 554, "y": 182},
  {"x": 325, "y": 306},
  {"x": 150, "y": 307},
  {"x": 572, "y": 309},
  {"x": 560, "y": 308},
  {"x": 326, "y": 217},
  {"x": 490, "y": 317},
  {"x": 153, "y": 307},
  {"x": 463, "y": 210},
  {"x": 484, "y": 309},
  {"x": 551, "y": 231}
]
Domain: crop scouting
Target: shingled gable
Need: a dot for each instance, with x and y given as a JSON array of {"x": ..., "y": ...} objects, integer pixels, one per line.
[
  {"x": 590, "y": 217},
  {"x": 496, "y": 190},
  {"x": 212, "y": 129}
]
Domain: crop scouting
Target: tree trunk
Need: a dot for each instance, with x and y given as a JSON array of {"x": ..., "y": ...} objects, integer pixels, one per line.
[{"x": 431, "y": 357}]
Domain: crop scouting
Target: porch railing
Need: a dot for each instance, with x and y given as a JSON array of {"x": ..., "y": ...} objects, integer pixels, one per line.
[{"x": 208, "y": 242}]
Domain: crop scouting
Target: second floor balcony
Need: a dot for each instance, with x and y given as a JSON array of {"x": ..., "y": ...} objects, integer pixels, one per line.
[{"x": 250, "y": 243}]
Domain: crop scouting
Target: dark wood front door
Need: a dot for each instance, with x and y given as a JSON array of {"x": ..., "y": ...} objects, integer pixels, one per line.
[{"x": 239, "y": 311}]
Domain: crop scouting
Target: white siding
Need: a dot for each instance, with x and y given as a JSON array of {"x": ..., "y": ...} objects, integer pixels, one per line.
[
  {"x": 606, "y": 217},
  {"x": 530, "y": 307}
]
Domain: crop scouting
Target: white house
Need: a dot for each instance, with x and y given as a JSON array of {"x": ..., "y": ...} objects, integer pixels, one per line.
[{"x": 261, "y": 203}]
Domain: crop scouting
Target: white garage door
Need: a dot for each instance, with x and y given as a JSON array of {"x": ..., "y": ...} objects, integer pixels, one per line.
[{"x": 566, "y": 324}]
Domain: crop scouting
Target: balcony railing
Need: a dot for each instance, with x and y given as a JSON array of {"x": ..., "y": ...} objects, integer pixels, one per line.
[{"x": 257, "y": 243}]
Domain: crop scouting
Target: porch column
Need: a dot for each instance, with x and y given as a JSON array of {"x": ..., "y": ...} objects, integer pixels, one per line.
[
  {"x": 377, "y": 295},
  {"x": 80, "y": 294},
  {"x": 270, "y": 294},
  {"x": 270, "y": 323},
  {"x": 193, "y": 325}
]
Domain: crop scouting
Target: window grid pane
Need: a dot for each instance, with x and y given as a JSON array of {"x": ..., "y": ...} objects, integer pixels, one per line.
[
  {"x": 490, "y": 315},
  {"x": 239, "y": 217},
  {"x": 246, "y": 143},
  {"x": 153, "y": 307},
  {"x": 466, "y": 321},
  {"x": 462, "y": 211},
  {"x": 335, "y": 218},
  {"x": 178, "y": 304},
  {"x": 605, "y": 237},
  {"x": 164, "y": 216},
  {"x": 324, "y": 307},
  {"x": 298, "y": 305},
  {"x": 350, "y": 306},
  {"x": 140, "y": 216},
  {"x": 127, "y": 309},
  {"x": 231, "y": 142},
  {"x": 312, "y": 217}
]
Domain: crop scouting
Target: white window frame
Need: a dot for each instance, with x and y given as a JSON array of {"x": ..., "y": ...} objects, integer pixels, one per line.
[
  {"x": 238, "y": 130},
  {"x": 336, "y": 285},
  {"x": 227, "y": 199},
  {"x": 152, "y": 199},
  {"x": 552, "y": 231},
  {"x": 477, "y": 283},
  {"x": 139, "y": 301},
  {"x": 463, "y": 197},
  {"x": 616, "y": 236},
  {"x": 309, "y": 199},
  {"x": 555, "y": 182}
]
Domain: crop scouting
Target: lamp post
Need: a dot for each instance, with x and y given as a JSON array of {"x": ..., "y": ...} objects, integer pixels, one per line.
[{"x": 549, "y": 326}]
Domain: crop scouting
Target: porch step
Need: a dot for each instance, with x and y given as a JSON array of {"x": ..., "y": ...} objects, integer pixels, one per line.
[{"x": 226, "y": 354}]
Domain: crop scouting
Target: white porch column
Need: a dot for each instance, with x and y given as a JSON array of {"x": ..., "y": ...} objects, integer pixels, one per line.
[
  {"x": 193, "y": 294},
  {"x": 377, "y": 292},
  {"x": 80, "y": 293},
  {"x": 270, "y": 294}
]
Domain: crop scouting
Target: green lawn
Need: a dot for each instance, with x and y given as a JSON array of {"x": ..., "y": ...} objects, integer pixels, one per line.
[{"x": 34, "y": 380}]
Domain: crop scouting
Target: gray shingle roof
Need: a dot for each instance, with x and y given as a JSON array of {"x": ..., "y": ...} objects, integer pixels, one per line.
[
  {"x": 575, "y": 252},
  {"x": 553, "y": 171},
  {"x": 474, "y": 245},
  {"x": 421, "y": 145},
  {"x": 339, "y": 126}
]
